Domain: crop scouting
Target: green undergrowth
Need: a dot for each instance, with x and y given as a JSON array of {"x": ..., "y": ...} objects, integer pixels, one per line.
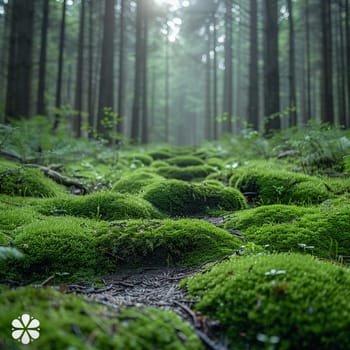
[
  {"x": 180, "y": 242},
  {"x": 27, "y": 182},
  {"x": 279, "y": 186},
  {"x": 100, "y": 205},
  {"x": 72, "y": 322},
  {"x": 176, "y": 197},
  {"x": 285, "y": 301},
  {"x": 323, "y": 231},
  {"x": 187, "y": 173},
  {"x": 85, "y": 247},
  {"x": 185, "y": 161},
  {"x": 136, "y": 181},
  {"x": 138, "y": 160}
]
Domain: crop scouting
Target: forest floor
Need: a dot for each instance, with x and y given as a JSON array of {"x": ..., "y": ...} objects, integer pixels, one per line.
[{"x": 216, "y": 247}]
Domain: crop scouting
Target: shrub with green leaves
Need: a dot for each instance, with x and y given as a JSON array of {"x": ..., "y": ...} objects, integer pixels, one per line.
[
  {"x": 27, "y": 182},
  {"x": 136, "y": 181},
  {"x": 71, "y": 322},
  {"x": 100, "y": 205},
  {"x": 284, "y": 301},
  {"x": 280, "y": 187},
  {"x": 188, "y": 173},
  {"x": 168, "y": 242},
  {"x": 184, "y": 161},
  {"x": 176, "y": 197},
  {"x": 323, "y": 231}
]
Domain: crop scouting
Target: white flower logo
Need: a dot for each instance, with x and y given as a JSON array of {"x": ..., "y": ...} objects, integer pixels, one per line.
[{"x": 25, "y": 329}]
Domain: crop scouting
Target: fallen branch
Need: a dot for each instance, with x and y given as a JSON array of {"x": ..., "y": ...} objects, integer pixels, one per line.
[{"x": 59, "y": 178}]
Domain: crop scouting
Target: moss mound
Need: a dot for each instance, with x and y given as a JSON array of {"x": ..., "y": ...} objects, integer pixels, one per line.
[
  {"x": 323, "y": 231},
  {"x": 139, "y": 159},
  {"x": 160, "y": 154},
  {"x": 101, "y": 205},
  {"x": 70, "y": 322},
  {"x": 286, "y": 301},
  {"x": 188, "y": 173},
  {"x": 180, "y": 242},
  {"x": 184, "y": 161},
  {"x": 64, "y": 244},
  {"x": 177, "y": 197},
  {"x": 280, "y": 187},
  {"x": 28, "y": 183},
  {"x": 136, "y": 181}
]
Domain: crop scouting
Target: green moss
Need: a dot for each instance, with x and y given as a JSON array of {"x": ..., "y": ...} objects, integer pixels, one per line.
[
  {"x": 101, "y": 205},
  {"x": 278, "y": 186},
  {"x": 298, "y": 300},
  {"x": 139, "y": 159},
  {"x": 215, "y": 162},
  {"x": 71, "y": 322},
  {"x": 63, "y": 244},
  {"x": 187, "y": 174},
  {"x": 177, "y": 197},
  {"x": 184, "y": 161},
  {"x": 27, "y": 182},
  {"x": 160, "y": 154},
  {"x": 136, "y": 181},
  {"x": 323, "y": 231},
  {"x": 159, "y": 164},
  {"x": 168, "y": 242}
]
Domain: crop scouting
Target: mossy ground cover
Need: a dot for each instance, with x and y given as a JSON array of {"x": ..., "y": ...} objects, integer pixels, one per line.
[
  {"x": 285, "y": 301},
  {"x": 71, "y": 322},
  {"x": 180, "y": 198},
  {"x": 323, "y": 231}
]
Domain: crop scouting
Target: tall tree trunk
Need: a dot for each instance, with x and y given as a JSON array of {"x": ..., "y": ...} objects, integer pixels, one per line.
[
  {"x": 106, "y": 97},
  {"x": 215, "y": 79},
  {"x": 19, "y": 78},
  {"x": 60, "y": 66},
  {"x": 292, "y": 92},
  {"x": 341, "y": 70},
  {"x": 253, "y": 96},
  {"x": 271, "y": 68},
  {"x": 228, "y": 78},
  {"x": 145, "y": 131},
  {"x": 308, "y": 62},
  {"x": 167, "y": 83},
  {"x": 91, "y": 112},
  {"x": 347, "y": 48},
  {"x": 78, "y": 105},
  {"x": 135, "y": 121},
  {"x": 208, "y": 86},
  {"x": 327, "y": 107},
  {"x": 41, "y": 105},
  {"x": 122, "y": 77}
]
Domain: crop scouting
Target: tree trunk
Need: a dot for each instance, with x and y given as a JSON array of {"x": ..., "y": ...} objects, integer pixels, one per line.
[
  {"x": 215, "y": 79},
  {"x": 228, "y": 78},
  {"x": 91, "y": 117},
  {"x": 271, "y": 68},
  {"x": 327, "y": 107},
  {"x": 292, "y": 93},
  {"x": 106, "y": 97},
  {"x": 41, "y": 105},
  {"x": 253, "y": 95},
  {"x": 208, "y": 86},
  {"x": 78, "y": 105},
  {"x": 308, "y": 62},
  {"x": 60, "y": 66},
  {"x": 19, "y": 78},
  {"x": 122, "y": 77}
]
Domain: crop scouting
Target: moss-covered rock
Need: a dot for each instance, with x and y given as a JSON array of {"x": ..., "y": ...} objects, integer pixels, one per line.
[
  {"x": 188, "y": 173},
  {"x": 323, "y": 231},
  {"x": 27, "y": 182},
  {"x": 63, "y": 244},
  {"x": 136, "y": 181},
  {"x": 139, "y": 159},
  {"x": 100, "y": 205},
  {"x": 177, "y": 197},
  {"x": 160, "y": 154},
  {"x": 285, "y": 301},
  {"x": 71, "y": 322},
  {"x": 184, "y": 161},
  {"x": 159, "y": 164},
  {"x": 278, "y": 186},
  {"x": 168, "y": 242}
]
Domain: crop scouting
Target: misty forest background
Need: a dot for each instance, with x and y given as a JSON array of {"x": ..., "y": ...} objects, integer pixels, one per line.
[{"x": 178, "y": 71}]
